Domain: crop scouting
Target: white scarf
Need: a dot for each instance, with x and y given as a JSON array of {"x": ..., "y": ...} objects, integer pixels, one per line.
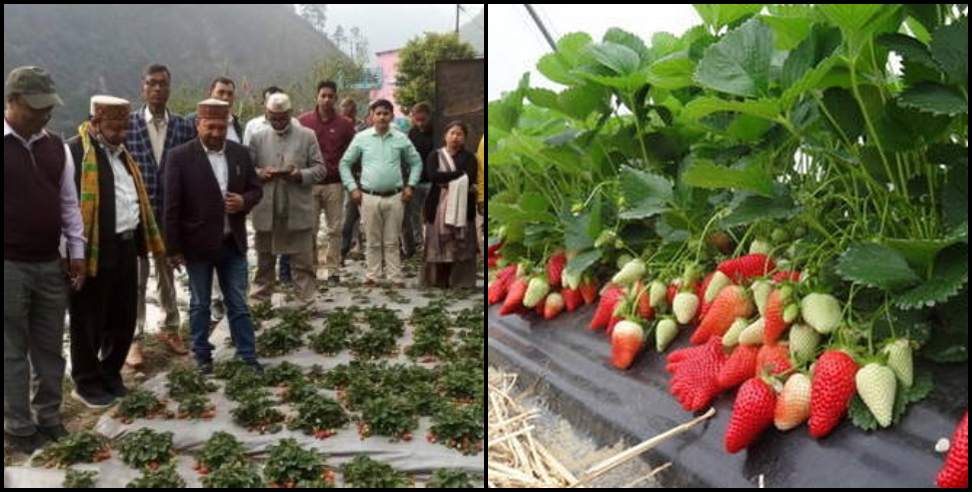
[{"x": 456, "y": 196}]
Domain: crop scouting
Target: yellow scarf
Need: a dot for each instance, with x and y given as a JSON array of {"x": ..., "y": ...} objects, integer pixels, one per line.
[{"x": 90, "y": 201}]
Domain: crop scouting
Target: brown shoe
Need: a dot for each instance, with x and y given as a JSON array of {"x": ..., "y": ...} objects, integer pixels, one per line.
[
  {"x": 135, "y": 358},
  {"x": 174, "y": 342}
]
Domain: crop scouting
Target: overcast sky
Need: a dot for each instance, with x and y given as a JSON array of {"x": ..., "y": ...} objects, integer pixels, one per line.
[
  {"x": 515, "y": 44},
  {"x": 390, "y": 26}
]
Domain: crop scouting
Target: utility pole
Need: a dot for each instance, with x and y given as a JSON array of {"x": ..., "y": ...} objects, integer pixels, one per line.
[
  {"x": 553, "y": 46},
  {"x": 458, "y": 8}
]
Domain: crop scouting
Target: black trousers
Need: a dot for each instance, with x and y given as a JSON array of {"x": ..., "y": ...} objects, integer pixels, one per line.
[{"x": 103, "y": 322}]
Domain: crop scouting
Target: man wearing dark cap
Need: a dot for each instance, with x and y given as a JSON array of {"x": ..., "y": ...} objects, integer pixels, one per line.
[
  {"x": 210, "y": 187},
  {"x": 40, "y": 204}
]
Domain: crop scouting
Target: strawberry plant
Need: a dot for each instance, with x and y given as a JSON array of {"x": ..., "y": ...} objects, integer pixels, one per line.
[
  {"x": 808, "y": 203},
  {"x": 262, "y": 311},
  {"x": 450, "y": 479},
  {"x": 432, "y": 335},
  {"x": 244, "y": 381},
  {"x": 280, "y": 340},
  {"x": 185, "y": 381},
  {"x": 141, "y": 404},
  {"x": 463, "y": 380},
  {"x": 319, "y": 416},
  {"x": 336, "y": 333},
  {"x": 364, "y": 472},
  {"x": 374, "y": 344},
  {"x": 196, "y": 407},
  {"x": 284, "y": 373},
  {"x": 243, "y": 475},
  {"x": 227, "y": 369},
  {"x": 82, "y": 447},
  {"x": 290, "y": 466},
  {"x": 391, "y": 416},
  {"x": 298, "y": 391},
  {"x": 162, "y": 477},
  {"x": 459, "y": 427},
  {"x": 221, "y": 450},
  {"x": 80, "y": 479},
  {"x": 386, "y": 320},
  {"x": 257, "y": 413},
  {"x": 146, "y": 448}
]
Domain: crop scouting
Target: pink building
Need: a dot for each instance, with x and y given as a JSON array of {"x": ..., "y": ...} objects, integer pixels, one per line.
[{"x": 388, "y": 65}]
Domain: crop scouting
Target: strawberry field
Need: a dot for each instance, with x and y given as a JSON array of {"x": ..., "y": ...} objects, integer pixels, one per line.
[{"x": 769, "y": 209}]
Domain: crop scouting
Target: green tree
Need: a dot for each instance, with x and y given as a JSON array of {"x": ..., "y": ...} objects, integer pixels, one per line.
[{"x": 416, "y": 65}]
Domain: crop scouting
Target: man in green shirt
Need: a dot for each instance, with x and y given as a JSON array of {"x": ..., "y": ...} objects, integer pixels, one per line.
[{"x": 382, "y": 193}]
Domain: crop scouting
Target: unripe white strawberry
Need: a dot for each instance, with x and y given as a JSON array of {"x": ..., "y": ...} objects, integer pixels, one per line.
[
  {"x": 685, "y": 306},
  {"x": 876, "y": 385}
]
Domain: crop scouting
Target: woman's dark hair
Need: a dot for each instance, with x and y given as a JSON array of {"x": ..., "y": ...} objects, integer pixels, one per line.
[{"x": 456, "y": 123}]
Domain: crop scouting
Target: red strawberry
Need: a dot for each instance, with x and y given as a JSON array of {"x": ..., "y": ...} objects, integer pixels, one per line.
[
  {"x": 740, "y": 366},
  {"x": 492, "y": 261},
  {"x": 773, "y": 325},
  {"x": 553, "y": 306},
  {"x": 747, "y": 267},
  {"x": 786, "y": 275},
  {"x": 605, "y": 308},
  {"x": 694, "y": 374},
  {"x": 539, "y": 307},
  {"x": 626, "y": 343},
  {"x": 572, "y": 299},
  {"x": 645, "y": 310},
  {"x": 731, "y": 303},
  {"x": 514, "y": 299},
  {"x": 752, "y": 413},
  {"x": 955, "y": 471},
  {"x": 494, "y": 249},
  {"x": 588, "y": 291},
  {"x": 500, "y": 286},
  {"x": 682, "y": 355},
  {"x": 671, "y": 293},
  {"x": 774, "y": 359},
  {"x": 555, "y": 268},
  {"x": 831, "y": 390}
]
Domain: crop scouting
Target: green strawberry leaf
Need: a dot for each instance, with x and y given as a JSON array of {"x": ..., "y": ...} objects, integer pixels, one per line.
[
  {"x": 951, "y": 273},
  {"x": 934, "y": 98},
  {"x": 751, "y": 176},
  {"x": 876, "y": 265},
  {"x": 647, "y": 194},
  {"x": 762, "y": 108},
  {"x": 717, "y": 15},
  {"x": 950, "y": 48},
  {"x": 739, "y": 63}
]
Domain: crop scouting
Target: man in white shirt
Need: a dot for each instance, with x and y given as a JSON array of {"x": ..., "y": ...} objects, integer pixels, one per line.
[{"x": 120, "y": 227}]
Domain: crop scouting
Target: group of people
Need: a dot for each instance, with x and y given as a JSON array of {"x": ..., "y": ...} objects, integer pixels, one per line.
[{"x": 87, "y": 219}]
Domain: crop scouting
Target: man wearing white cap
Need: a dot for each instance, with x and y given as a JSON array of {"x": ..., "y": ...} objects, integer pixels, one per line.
[
  {"x": 120, "y": 227},
  {"x": 289, "y": 162},
  {"x": 210, "y": 186}
]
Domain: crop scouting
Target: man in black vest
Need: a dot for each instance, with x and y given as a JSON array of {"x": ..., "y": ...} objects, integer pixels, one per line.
[
  {"x": 120, "y": 227},
  {"x": 40, "y": 205}
]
